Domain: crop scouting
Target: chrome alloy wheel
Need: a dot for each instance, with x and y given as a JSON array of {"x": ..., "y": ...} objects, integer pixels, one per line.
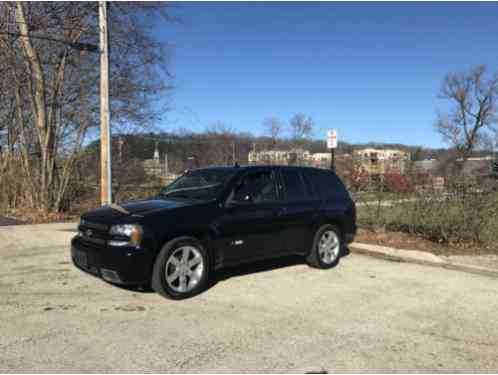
[
  {"x": 329, "y": 247},
  {"x": 184, "y": 269}
]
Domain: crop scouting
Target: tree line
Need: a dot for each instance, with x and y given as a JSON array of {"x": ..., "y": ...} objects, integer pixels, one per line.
[{"x": 49, "y": 102}]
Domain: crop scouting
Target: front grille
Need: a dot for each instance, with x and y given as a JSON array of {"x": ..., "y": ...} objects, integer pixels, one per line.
[
  {"x": 93, "y": 225},
  {"x": 86, "y": 256},
  {"x": 93, "y": 232}
]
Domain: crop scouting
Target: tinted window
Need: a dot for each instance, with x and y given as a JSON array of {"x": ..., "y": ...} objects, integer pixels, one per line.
[
  {"x": 311, "y": 188},
  {"x": 338, "y": 188},
  {"x": 260, "y": 185},
  {"x": 328, "y": 185},
  {"x": 294, "y": 186},
  {"x": 204, "y": 184}
]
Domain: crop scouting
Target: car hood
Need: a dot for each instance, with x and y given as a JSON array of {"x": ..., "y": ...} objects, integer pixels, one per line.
[{"x": 138, "y": 208}]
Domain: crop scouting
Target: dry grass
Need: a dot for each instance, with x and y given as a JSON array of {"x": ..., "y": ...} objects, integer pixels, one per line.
[
  {"x": 34, "y": 216},
  {"x": 456, "y": 221},
  {"x": 407, "y": 241}
]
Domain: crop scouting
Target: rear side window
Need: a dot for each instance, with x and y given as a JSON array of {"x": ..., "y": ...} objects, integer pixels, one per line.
[
  {"x": 294, "y": 185},
  {"x": 312, "y": 189},
  {"x": 328, "y": 185}
]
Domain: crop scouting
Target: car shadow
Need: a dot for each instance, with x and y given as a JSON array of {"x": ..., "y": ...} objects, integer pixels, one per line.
[
  {"x": 224, "y": 274},
  {"x": 233, "y": 271},
  {"x": 133, "y": 288},
  {"x": 257, "y": 267},
  {"x": 260, "y": 266}
]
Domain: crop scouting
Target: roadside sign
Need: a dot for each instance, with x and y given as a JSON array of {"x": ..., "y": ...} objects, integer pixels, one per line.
[{"x": 332, "y": 139}]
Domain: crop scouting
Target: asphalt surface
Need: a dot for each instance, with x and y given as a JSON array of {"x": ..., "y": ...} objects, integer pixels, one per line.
[{"x": 365, "y": 315}]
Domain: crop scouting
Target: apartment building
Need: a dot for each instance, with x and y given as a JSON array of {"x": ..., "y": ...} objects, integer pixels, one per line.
[{"x": 372, "y": 161}]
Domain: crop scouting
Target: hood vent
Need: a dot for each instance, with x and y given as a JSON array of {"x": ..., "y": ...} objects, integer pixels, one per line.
[{"x": 118, "y": 208}]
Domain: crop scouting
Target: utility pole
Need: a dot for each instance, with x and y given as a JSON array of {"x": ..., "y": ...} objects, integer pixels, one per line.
[
  {"x": 105, "y": 128},
  {"x": 233, "y": 152}
]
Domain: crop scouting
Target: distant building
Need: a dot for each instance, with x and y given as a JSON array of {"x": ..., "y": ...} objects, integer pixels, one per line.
[
  {"x": 367, "y": 161},
  {"x": 373, "y": 161},
  {"x": 279, "y": 157},
  {"x": 321, "y": 159}
]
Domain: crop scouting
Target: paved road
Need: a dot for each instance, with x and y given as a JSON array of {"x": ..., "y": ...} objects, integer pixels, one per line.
[{"x": 365, "y": 315}]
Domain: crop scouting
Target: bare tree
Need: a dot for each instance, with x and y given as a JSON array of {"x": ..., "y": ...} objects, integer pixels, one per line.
[
  {"x": 473, "y": 120},
  {"x": 301, "y": 127},
  {"x": 273, "y": 128},
  {"x": 52, "y": 87},
  {"x": 220, "y": 144}
]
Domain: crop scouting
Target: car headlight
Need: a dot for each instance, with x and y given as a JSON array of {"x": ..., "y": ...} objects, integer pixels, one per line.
[
  {"x": 80, "y": 224},
  {"x": 126, "y": 235}
]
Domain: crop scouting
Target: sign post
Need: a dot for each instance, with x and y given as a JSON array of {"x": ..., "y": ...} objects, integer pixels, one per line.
[{"x": 332, "y": 145}]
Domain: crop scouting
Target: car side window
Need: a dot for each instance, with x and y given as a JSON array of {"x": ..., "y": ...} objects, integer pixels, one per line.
[
  {"x": 260, "y": 185},
  {"x": 328, "y": 185},
  {"x": 321, "y": 185},
  {"x": 294, "y": 185},
  {"x": 312, "y": 190},
  {"x": 339, "y": 191}
]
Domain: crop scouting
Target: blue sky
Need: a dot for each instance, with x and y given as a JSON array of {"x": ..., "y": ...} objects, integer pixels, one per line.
[{"x": 370, "y": 70}]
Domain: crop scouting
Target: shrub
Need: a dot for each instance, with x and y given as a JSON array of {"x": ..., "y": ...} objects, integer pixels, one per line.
[
  {"x": 460, "y": 214},
  {"x": 397, "y": 183}
]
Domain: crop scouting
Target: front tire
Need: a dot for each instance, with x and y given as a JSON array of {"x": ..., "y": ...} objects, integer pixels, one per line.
[
  {"x": 327, "y": 247},
  {"x": 181, "y": 269}
]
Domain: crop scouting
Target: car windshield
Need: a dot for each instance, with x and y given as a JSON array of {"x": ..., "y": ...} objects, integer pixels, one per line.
[{"x": 200, "y": 184}]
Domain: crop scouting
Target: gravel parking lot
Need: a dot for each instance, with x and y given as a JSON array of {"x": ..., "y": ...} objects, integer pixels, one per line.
[{"x": 365, "y": 315}]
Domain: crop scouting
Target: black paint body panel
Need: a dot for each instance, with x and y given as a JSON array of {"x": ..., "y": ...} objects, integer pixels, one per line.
[{"x": 232, "y": 235}]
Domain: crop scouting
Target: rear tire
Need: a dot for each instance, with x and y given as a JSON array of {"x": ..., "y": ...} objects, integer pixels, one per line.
[
  {"x": 327, "y": 248},
  {"x": 181, "y": 269}
]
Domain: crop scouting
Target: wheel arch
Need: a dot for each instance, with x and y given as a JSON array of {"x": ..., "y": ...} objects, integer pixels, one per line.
[
  {"x": 335, "y": 221},
  {"x": 202, "y": 236}
]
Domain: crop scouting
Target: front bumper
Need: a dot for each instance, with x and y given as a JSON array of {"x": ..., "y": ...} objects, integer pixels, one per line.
[{"x": 118, "y": 265}]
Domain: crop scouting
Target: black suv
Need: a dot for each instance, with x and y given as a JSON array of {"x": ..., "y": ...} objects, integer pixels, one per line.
[{"x": 216, "y": 217}]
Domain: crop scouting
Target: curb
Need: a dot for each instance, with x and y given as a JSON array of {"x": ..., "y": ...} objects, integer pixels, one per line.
[{"x": 418, "y": 257}]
